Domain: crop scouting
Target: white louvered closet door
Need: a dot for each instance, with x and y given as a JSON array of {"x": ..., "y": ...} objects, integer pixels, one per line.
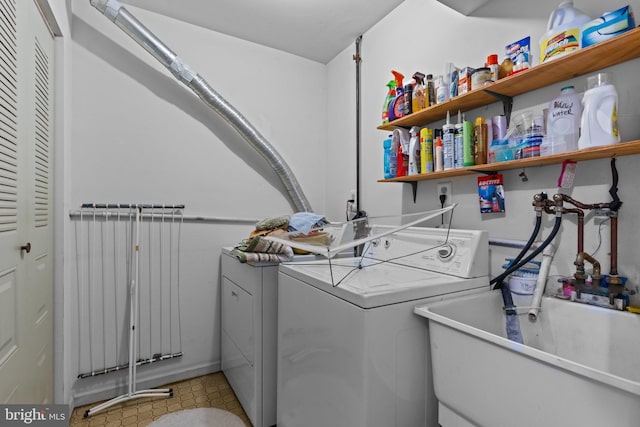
[{"x": 26, "y": 204}]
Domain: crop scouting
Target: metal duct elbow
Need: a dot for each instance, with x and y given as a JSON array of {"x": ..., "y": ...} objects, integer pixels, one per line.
[{"x": 116, "y": 13}]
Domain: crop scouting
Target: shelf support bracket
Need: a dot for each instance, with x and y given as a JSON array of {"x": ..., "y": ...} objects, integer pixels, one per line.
[
  {"x": 507, "y": 103},
  {"x": 414, "y": 189}
]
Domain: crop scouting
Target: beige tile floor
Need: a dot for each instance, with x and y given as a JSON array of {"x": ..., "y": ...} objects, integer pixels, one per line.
[{"x": 209, "y": 391}]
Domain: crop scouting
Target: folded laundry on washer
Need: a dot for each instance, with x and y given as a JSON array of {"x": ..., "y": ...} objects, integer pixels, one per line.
[
  {"x": 306, "y": 221},
  {"x": 258, "y": 249}
]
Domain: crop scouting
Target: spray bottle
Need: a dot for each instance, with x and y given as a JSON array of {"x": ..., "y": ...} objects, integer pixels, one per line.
[
  {"x": 414, "y": 151},
  {"x": 391, "y": 94},
  {"x": 419, "y": 100},
  {"x": 396, "y": 107},
  {"x": 448, "y": 133}
]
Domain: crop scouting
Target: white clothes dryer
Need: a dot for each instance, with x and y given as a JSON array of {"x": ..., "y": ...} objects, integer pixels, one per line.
[{"x": 351, "y": 353}]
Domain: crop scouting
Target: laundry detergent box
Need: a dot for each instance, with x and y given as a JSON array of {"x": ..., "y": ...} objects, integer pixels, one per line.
[
  {"x": 520, "y": 54},
  {"x": 607, "y": 26},
  {"x": 464, "y": 80}
]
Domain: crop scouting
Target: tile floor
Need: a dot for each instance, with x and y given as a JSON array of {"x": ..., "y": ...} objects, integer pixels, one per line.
[{"x": 211, "y": 391}]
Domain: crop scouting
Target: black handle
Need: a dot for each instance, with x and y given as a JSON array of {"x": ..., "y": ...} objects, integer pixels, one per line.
[{"x": 26, "y": 248}]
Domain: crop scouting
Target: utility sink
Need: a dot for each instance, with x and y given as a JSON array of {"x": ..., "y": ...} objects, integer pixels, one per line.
[{"x": 579, "y": 364}]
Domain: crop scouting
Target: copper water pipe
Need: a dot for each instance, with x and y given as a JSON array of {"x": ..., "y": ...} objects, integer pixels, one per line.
[
  {"x": 613, "y": 278},
  {"x": 580, "y": 214},
  {"x": 580, "y": 272},
  {"x": 581, "y": 205}
]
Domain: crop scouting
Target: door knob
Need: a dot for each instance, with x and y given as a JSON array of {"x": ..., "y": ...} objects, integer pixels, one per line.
[{"x": 26, "y": 248}]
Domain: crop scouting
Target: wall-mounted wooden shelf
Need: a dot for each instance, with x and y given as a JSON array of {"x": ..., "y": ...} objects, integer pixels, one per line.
[
  {"x": 614, "y": 51},
  {"x": 608, "y": 151}
]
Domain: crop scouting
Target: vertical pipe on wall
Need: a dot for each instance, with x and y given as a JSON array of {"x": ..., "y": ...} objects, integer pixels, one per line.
[{"x": 358, "y": 59}]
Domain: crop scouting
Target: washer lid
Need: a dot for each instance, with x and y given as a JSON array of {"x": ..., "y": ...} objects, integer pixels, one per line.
[{"x": 378, "y": 284}]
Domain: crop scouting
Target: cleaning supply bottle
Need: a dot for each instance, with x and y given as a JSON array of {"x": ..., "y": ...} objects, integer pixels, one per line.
[
  {"x": 431, "y": 91},
  {"x": 389, "y": 159},
  {"x": 396, "y": 107},
  {"x": 419, "y": 98},
  {"x": 414, "y": 151},
  {"x": 494, "y": 67},
  {"x": 564, "y": 32},
  {"x": 458, "y": 143},
  {"x": 599, "y": 124},
  {"x": 426, "y": 152},
  {"x": 480, "y": 133},
  {"x": 442, "y": 90},
  {"x": 448, "y": 133},
  {"x": 467, "y": 141},
  {"x": 391, "y": 94},
  {"x": 563, "y": 120},
  {"x": 408, "y": 99},
  {"x": 438, "y": 158},
  {"x": 400, "y": 166}
]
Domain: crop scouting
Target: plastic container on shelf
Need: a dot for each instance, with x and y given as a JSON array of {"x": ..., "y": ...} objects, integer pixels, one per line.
[
  {"x": 500, "y": 151},
  {"x": 390, "y": 162},
  {"x": 563, "y": 120},
  {"x": 480, "y": 77},
  {"x": 494, "y": 67},
  {"x": 414, "y": 151},
  {"x": 564, "y": 31},
  {"x": 599, "y": 124}
]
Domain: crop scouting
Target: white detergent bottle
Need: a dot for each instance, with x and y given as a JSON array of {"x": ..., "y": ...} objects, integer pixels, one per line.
[
  {"x": 599, "y": 124},
  {"x": 564, "y": 32},
  {"x": 563, "y": 120}
]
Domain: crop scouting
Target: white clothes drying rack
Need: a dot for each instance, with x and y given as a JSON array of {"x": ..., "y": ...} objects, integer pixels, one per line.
[{"x": 134, "y": 293}]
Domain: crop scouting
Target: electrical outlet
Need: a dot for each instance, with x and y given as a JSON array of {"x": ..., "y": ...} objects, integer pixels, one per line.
[{"x": 444, "y": 188}]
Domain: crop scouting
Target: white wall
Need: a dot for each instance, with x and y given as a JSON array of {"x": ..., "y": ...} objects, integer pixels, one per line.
[
  {"x": 139, "y": 136},
  {"x": 423, "y": 35}
]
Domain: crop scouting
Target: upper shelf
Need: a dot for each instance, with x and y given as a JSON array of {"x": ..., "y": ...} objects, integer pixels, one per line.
[
  {"x": 593, "y": 58},
  {"x": 614, "y": 150}
]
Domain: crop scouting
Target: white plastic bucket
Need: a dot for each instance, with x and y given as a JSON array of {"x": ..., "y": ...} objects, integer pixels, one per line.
[{"x": 522, "y": 285}]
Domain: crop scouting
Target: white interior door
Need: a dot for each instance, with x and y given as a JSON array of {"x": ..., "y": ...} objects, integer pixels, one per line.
[{"x": 26, "y": 223}]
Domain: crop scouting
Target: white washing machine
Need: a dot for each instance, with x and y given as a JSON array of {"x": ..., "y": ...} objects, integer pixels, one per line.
[{"x": 351, "y": 353}]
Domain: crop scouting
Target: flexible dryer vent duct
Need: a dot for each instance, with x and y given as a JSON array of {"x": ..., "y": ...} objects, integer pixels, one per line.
[{"x": 116, "y": 13}]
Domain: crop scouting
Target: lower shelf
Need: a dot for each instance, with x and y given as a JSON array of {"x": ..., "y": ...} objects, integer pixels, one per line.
[{"x": 608, "y": 151}]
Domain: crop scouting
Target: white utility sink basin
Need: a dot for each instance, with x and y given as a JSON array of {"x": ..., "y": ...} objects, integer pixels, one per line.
[{"x": 579, "y": 365}]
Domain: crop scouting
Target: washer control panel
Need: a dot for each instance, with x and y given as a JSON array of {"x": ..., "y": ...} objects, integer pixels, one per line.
[{"x": 462, "y": 253}]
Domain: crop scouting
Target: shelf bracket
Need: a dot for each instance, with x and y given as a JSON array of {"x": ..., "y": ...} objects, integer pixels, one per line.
[
  {"x": 414, "y": 189},
  {"x": 507, "y": 103}
]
